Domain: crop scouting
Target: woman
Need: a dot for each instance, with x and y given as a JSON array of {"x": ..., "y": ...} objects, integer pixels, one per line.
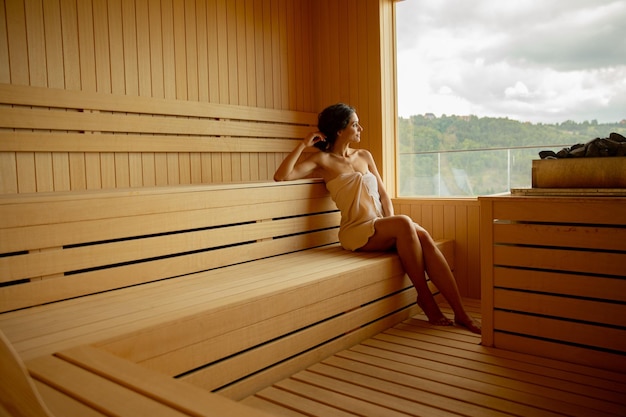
[{"x": 368, "y": 222}]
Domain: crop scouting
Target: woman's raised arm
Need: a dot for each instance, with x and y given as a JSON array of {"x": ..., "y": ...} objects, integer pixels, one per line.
[{"x": 290, "y": 168}]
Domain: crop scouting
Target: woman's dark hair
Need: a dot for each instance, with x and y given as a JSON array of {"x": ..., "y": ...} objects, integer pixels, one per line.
[{"x": 330, "y": 121}]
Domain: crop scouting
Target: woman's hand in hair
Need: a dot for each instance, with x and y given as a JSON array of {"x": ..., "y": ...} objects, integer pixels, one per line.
[{"x": 312, "y": 138}]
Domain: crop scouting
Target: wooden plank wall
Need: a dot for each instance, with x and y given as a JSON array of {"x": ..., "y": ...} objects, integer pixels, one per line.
[
  {"x": 278, "y": 54},
  {"x": 456, "y": 219},
  {"x": 355, "y": 64},
  {"x": 247, "y": 52}
]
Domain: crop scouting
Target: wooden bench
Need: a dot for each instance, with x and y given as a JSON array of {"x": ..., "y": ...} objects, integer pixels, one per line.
[
  {"x": 554, "y": 272},
  {"x": 226, "y": 287},
  {"x": 129, "y": 272},
  {"x": 90, "y": 383}
]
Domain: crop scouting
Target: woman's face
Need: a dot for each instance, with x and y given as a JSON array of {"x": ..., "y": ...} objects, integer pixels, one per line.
[{"x": 352, "y": 132}]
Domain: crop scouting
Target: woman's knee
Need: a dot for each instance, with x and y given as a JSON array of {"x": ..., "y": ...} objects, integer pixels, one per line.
[
  {"x": 406, "y": 226},
  {"x": 404, "y": 219},
  {"x": 422, "y": 234},
  {"x": 406, "y": 223}
]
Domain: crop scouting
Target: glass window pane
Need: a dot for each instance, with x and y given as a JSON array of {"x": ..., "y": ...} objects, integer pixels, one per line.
[{"x": 483, "y": 86}]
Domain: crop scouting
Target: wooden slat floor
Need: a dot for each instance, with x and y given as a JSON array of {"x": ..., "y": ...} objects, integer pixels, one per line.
[{"x": 415, "y": 369}]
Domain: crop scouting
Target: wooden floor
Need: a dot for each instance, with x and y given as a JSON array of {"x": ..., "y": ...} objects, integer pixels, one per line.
[{"x": 415, "y": 369}]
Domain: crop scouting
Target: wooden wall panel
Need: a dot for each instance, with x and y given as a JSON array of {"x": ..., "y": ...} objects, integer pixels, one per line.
[
  {"x": 354, "y": 62},
  {"x": 297, "y": 55},
  {"x": 279, "y": 54},
  {"x": 17, "y": 42},
  {"x": 457, "y": 219},
  {"x": 5, "y": 72},
  {"x": 243, "y": 52},
  {"x": 147, "y": 47},
  {"x": 36, "y": 38}
]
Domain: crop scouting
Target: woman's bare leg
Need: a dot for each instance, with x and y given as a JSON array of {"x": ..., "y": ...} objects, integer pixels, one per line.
[
  {"x": 417, "y": 258},
  {"x": 398, "y": 231},
  {"x": 440, "y": 274}
]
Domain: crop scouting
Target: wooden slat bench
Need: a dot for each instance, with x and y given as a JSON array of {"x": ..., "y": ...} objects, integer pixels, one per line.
[
  {"x": 225, "y": 287},
  {"x": 121, "y": 266},
  {"x": 89, "y": 382},
  {"x": 554, "y": 277}
]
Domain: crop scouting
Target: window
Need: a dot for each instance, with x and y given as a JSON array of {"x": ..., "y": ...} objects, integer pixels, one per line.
[{"x": 483, "y": 86}]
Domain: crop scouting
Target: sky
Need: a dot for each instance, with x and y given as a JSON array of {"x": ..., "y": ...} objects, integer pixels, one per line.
[{"x": 542, "y": 61}]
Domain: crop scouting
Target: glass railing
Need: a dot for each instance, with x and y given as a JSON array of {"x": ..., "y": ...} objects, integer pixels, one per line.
[{"x": 468, "y": 172}]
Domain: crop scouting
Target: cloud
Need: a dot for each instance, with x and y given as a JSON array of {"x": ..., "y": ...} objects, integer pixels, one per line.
[
  {"x": 543, "y": 61},
  {"x": 518, "y": 91},
  {"x": 583, "y": 38}
]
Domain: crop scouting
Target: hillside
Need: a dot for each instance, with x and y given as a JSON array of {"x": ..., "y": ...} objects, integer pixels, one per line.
[
  {"x": 468, "y": 155},
  {"x": 424, "y": 134}
]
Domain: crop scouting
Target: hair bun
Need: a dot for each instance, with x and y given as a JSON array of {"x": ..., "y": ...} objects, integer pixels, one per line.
[{"x": 330, "y": 121}]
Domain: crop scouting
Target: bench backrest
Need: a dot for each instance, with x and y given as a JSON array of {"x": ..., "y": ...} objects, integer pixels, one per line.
[
  {"x": 59, "y": 140},
  {"x": 57, "y": 246}
]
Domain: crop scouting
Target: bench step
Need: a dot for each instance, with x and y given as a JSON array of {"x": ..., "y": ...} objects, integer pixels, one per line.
[{"x": 114, "y": 386}]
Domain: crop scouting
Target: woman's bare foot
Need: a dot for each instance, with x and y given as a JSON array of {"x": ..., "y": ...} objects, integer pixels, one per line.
[
  {"x": 441, "y": 321},
  {"x": 432, "y": 311},
  {"x": 470, "y": 324}
]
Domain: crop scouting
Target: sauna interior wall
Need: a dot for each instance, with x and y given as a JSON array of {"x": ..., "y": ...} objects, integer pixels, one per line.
[{"x": 278, "y": 54}]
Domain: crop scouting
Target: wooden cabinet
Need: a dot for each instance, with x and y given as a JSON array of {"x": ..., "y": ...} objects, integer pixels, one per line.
[{"x": 554, "y": 277}]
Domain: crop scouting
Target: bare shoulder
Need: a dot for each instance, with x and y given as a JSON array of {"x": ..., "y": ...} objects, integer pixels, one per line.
[
  {"x": 364, "y": 154},
  {"x": 320, "y": 162},
  {"x": 319, "y": 158}
]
